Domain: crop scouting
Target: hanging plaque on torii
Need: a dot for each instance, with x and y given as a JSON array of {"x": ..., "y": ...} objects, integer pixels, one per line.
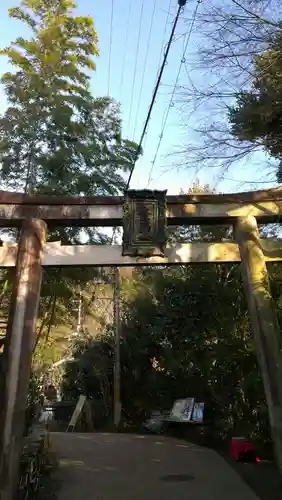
[{"x": 144, "y": 223}]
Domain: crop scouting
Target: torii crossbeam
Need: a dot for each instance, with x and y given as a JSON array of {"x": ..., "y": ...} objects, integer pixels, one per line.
[{"x": 57, "y": 210}]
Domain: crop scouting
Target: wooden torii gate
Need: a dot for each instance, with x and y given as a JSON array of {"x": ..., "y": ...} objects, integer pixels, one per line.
[{"x": 32, "y": 214}]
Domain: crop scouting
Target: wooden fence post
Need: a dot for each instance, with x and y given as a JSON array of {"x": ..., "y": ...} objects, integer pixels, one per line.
[
  {"x": 264, "y": 322},
  {"x": 21, "y": 333}
]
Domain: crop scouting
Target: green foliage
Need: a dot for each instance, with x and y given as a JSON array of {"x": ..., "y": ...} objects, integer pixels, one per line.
[
  {"x": 185, "y": 332},
  {"x": 184, "y": 336},
  {"x": 33, "y": 402},
  {"x": 54, "y": 136},
  {"x": 257, "y": 114},
  {"x": 91, "y": 373}
]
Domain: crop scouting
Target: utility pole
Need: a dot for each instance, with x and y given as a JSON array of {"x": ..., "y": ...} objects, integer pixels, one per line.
[
  {"x": 116, "y": 304},
  {"x": 78, "y": 328}
]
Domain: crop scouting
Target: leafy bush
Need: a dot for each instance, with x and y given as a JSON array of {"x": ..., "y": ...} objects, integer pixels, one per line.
[{"x": 34, "y": 399}]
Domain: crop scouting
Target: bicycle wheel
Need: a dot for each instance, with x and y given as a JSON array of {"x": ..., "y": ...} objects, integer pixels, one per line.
[
  {"x": 34, "y": 474},
  {"x": 23, "y": 486}
]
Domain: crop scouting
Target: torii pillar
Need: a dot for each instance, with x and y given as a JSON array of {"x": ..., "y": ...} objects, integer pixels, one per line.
[
  {"x": 20, "y": 341},
  {"x": 264, "y": 322}
]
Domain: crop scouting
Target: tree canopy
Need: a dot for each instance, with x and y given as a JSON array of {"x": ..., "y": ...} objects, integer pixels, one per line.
[
  {"x": 231, "y": 40},
  {"x": 257, "y": 113},
  {"x": 55, "y": 137}
]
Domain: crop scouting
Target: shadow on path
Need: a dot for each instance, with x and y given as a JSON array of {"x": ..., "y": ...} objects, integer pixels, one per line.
[{"x": 138, "y": 467}]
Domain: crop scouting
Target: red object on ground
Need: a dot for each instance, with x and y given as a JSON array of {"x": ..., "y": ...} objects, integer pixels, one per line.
[{"x": 241, "y": 448}]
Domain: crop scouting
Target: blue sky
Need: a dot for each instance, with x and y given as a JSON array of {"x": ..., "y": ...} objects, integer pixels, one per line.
[{"x": 164, "y": 174}]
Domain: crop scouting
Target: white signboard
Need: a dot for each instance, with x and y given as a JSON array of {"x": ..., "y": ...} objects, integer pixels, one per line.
[
  {"x": 77, "y": 412},
  {"x": 182, "y": 410},
  {"x": 198, "y": 412},
  {"x": 186, "y": 410}
]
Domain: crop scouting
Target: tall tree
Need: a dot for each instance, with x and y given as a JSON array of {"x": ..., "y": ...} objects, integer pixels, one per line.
[
  {"x": 228, "y": 35},
  {"x": 257, "y": 113},
  {"x": 54, "y": 136}
]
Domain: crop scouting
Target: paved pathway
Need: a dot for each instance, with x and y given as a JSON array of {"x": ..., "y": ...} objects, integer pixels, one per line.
[{"x": 133, "y": 467}]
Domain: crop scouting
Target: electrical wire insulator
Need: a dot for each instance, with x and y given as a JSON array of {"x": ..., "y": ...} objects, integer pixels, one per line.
[{"x": 182, "y": 2}]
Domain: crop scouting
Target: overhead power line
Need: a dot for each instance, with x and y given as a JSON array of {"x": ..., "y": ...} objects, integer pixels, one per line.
[
  {"x": 136, "y": 63},
  {"x": 166, "y": 114},
  {"x": 163, "y": 46},
  {"x": 164, "y": 35},
  {"x": 110, "y": 49},
  {"x": 125, "y": 48},
  {"x": 145, "y": 66},
  {"x": 181, "y": 4}
]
